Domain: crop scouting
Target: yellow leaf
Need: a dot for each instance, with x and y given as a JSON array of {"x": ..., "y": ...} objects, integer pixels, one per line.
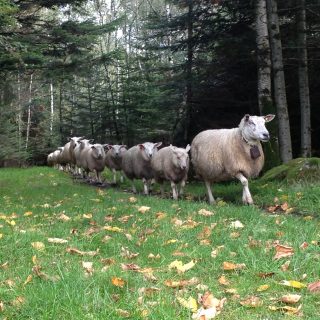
[
  {"x": 118, "y": 282},
  {"x": 87, "y": 215},
  {"x": 34, "y": 259},
  {"x": 263, "y": 287},
  {"x": 143, "y": 209},
  {"x": 113, "y": 229},
  {"x": 1, "y": 235},
  {"x": 293, "y": 284},
  {"x": 181, "y": 268},
  {"x": 233, "y": 266},
  {"x": 191, "y": 303},
  {"x": 11, "y": 222},
  {"x": 28, "y": 213},
  {"x": 206, "y": 213},
  {"x": 28, "y": 280},
  {"x": 38, "y": 245},
  {"x": 252, "y": 302},
  {"x": 132, "y": 199},
  {"x": 171, "y": 241}
]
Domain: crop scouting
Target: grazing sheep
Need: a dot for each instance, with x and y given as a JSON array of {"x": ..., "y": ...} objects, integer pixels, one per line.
[
  {"x": 136, "y": 164},
  {"x": 94, "y": 159},
  {"x": 50, "y": 159},
  {"x": 225, "y": 154},
  {"x": 171, "y": 163},
  {"x": 114, "y": 159}
]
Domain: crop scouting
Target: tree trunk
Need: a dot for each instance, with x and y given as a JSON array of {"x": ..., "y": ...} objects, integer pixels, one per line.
[
  {"x": 279, "y": 82},
  {"x": 265, "y": 102},
  {"x": 29, "y": 111},
  {"x": 19, "y": 116},
  {"x": 51, "y": 109},
  {"x": 60, "y": 109},
  {"x": 303, "y": 80},
  {"x": 189, "y": 71}
]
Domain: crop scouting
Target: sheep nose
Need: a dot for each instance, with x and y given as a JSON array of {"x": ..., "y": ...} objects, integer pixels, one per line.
[{"x": 266, "y": 136}]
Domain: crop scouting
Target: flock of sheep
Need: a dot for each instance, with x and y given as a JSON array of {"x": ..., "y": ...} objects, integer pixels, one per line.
[{"x": 216, "y": 155}]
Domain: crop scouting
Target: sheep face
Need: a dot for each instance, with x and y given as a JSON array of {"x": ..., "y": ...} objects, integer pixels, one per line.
[
  {"x": 180, "y": 157},
  {"x": 149, "y": 149},
  {"x": 83, "y": 143},
  {"x": 253, "y": 128},
  {"x": 74, "y": 141},
  {"x": 97, "y": 151},
  {"x": 117, "y": 150}
]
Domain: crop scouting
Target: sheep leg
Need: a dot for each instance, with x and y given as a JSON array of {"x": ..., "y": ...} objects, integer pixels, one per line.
[
  {"x": 121, "y": 177},
  {"x": 182, "y": 185},
  {"x": 209, "y": 192},
  {"x": 114, "y": 176},
  {"x": 174, "y": 190},
  {"x": 246, "y": 195},
  {"x": 98, "y": 176},
  {"x": 161, "y": 189},
  {"x": 134, "y": 190},
  {"x": 145, "y": 186}
]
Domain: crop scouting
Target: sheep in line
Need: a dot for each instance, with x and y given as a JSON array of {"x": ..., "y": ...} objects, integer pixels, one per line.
[
  {"x": 136, "y": 164},
  {"x": 113, "y": 158},
  {"x": 225, "y": 154},
  {"x": 172, "y": 164}
]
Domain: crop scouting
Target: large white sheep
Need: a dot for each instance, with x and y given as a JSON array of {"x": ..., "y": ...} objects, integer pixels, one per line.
[
  {"x": 94, "y": 159},
  {"x": 74, "y": 142},
  {"x": 225, "y": 154},
  {"x": 136, "y": 164},
  {"x": 172, "y": 164},
  {"x": 78, "y": 153},
  {"x": 114, "y": 159}
]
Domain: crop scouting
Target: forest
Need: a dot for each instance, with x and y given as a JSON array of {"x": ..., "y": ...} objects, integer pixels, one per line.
[{"x": 129, "y": 71}]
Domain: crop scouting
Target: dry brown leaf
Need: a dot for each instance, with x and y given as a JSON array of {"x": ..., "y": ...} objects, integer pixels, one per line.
[
  {"x": 148, "y": 291},
  {"x": 235, "y": 235},
  {"x": 287, "y": 310},
  {"x": 28, "y": 280},
  {"x": 64, "y": 217},
  {"x": 224, "y": 281},
  {"x": 82, "y": 253},
  {"x": 125, "y": 253},
  {"x": 130, "y": 267},
  {"x": 205, "y": 242},
  {"x": 108, "y": 261},
  {"x": 290, "y": 298},
  {"x": 1, "y": 306},
  {"x": 181, "y": 283},
  {"x": 106, "y": 238},
  {"x": 178, "y": 254},
  {"x": 264, "y": 275},
  {"x": 229, "y": 266},
  {"x": 133, "y": 199},
  {"x": 18, "y": 301},
  {"x": 160, "y": 215},
  {"x": 314, "y": 286},
  {"x": 144, "y": 209},
  {"x": 283, "y": 251},
  {"x": 128, "y": 236},
  {"x": 36, "y": 269},
  {"x": 152, "y": 256},
  {"x": 252, "y": 302},
  {"x": 206, "y": 213},
  {"x": 123, "y": 313},
  {"x": 285, "y": 267},
  {"x": 118, "y": 282},
  {"x": 125, "y": 219},
  {"x": 205, "y": 233},
  {"x": 28, "y": 213},
  {"x": 304, "y": 245}
]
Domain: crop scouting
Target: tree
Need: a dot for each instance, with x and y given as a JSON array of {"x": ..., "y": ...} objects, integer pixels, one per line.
[
  {"x": 303, "y": 79},
  {"x": 279, "y": 82}
]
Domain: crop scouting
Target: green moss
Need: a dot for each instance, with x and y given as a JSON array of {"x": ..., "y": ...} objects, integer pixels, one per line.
[{"x": 300, "y": 169}]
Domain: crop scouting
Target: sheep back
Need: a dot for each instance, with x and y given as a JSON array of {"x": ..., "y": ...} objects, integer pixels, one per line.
[{"x": 218, "y": 155}]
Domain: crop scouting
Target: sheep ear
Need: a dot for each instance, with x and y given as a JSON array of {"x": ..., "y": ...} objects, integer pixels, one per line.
[
  {"x": 91, "y": 140},
  {"x": 123, "y": 146},
  {"x": 106, "y": 146},
  {"x": 269, "y": 117},
  {"x": 93, "y": 147},
  {"x": 246, "y": 117},
  {"x": 188, "y": 148},
  {"x": 158, "y": 144},
  {"x": 141, "y": 146}
]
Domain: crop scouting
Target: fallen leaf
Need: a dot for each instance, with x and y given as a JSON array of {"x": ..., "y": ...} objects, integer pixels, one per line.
[
  {"x": 64, "y": 217},
  {"x": 130, "y": 267},
  {"x": 285, "y": 267},
  {"x": 229, "y": 266},
  {"x": 113, "y": 229},
  {"x": 205, "y": 233},
  {"x": 252, "y": 302},
  {"x": 28, "y": 213},
  {"x": 143, "y": 209},
  {"x": 123, "y": 313},
  {"x": 171, "y": 241},
  {"x": 304, "y": 245},
  {"x": 28, "y": 280},
  {"x": 206, "y": 213},
  {"x": 82, "y": 253},
  {"x": 287, "y": 309},
  {"x": 263, "y": 287},
  {"x": 87, "y": 215},
  {"x": 290, "y": 298},
  {"x": 38, "y": 245},
  {"x": 181, "y": 268},
  {"x": 133, "y": 199},
  {"x": 57, "y": 240},
  {"x": 223, "y": 280},
  {"x": 160, "y": 215},
  {"x": 314, "y": 286},
  {"x": 1, "y": 306},
  {"x": 118, "y": 282},
  {"x": 264, "y": 275},
  {"x": 36, "y": 269},
  {"x": 293, "y": 284},
  {"x": 152, "y": 256},
  {"x": 125, "y": 253},
  {"x": 236, "y": 224},
  {"x": 191, "y": 303},
  {"x": 181, "y": 283},
  {"x": 283, "y": 252}
]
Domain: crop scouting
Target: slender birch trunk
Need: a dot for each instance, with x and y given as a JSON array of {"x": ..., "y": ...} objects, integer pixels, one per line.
[
  {"x": 29, "y": 111},
  {"x": 279, "y": 82},
  {"x": 51, "y": 108},
  {"x": 19, "y": 110},
  {"x": 303, "y": 80},
  {"x": 265, "y": 102}
]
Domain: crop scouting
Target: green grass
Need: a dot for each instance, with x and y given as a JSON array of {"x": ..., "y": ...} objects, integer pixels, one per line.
[{"x": 48, "y": 193}]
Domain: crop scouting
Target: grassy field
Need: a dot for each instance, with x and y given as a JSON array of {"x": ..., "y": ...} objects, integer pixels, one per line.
[{"x": 115, "y": 263}]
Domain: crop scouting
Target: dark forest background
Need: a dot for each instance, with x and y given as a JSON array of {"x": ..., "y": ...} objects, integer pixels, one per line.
[{"x": 149, "y": 70}]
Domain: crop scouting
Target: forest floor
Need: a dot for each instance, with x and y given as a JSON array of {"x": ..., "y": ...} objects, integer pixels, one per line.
[{"x": 74, "y": 251}]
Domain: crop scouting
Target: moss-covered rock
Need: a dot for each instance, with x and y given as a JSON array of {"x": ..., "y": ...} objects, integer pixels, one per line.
[{"x": 300, "y": 169}]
